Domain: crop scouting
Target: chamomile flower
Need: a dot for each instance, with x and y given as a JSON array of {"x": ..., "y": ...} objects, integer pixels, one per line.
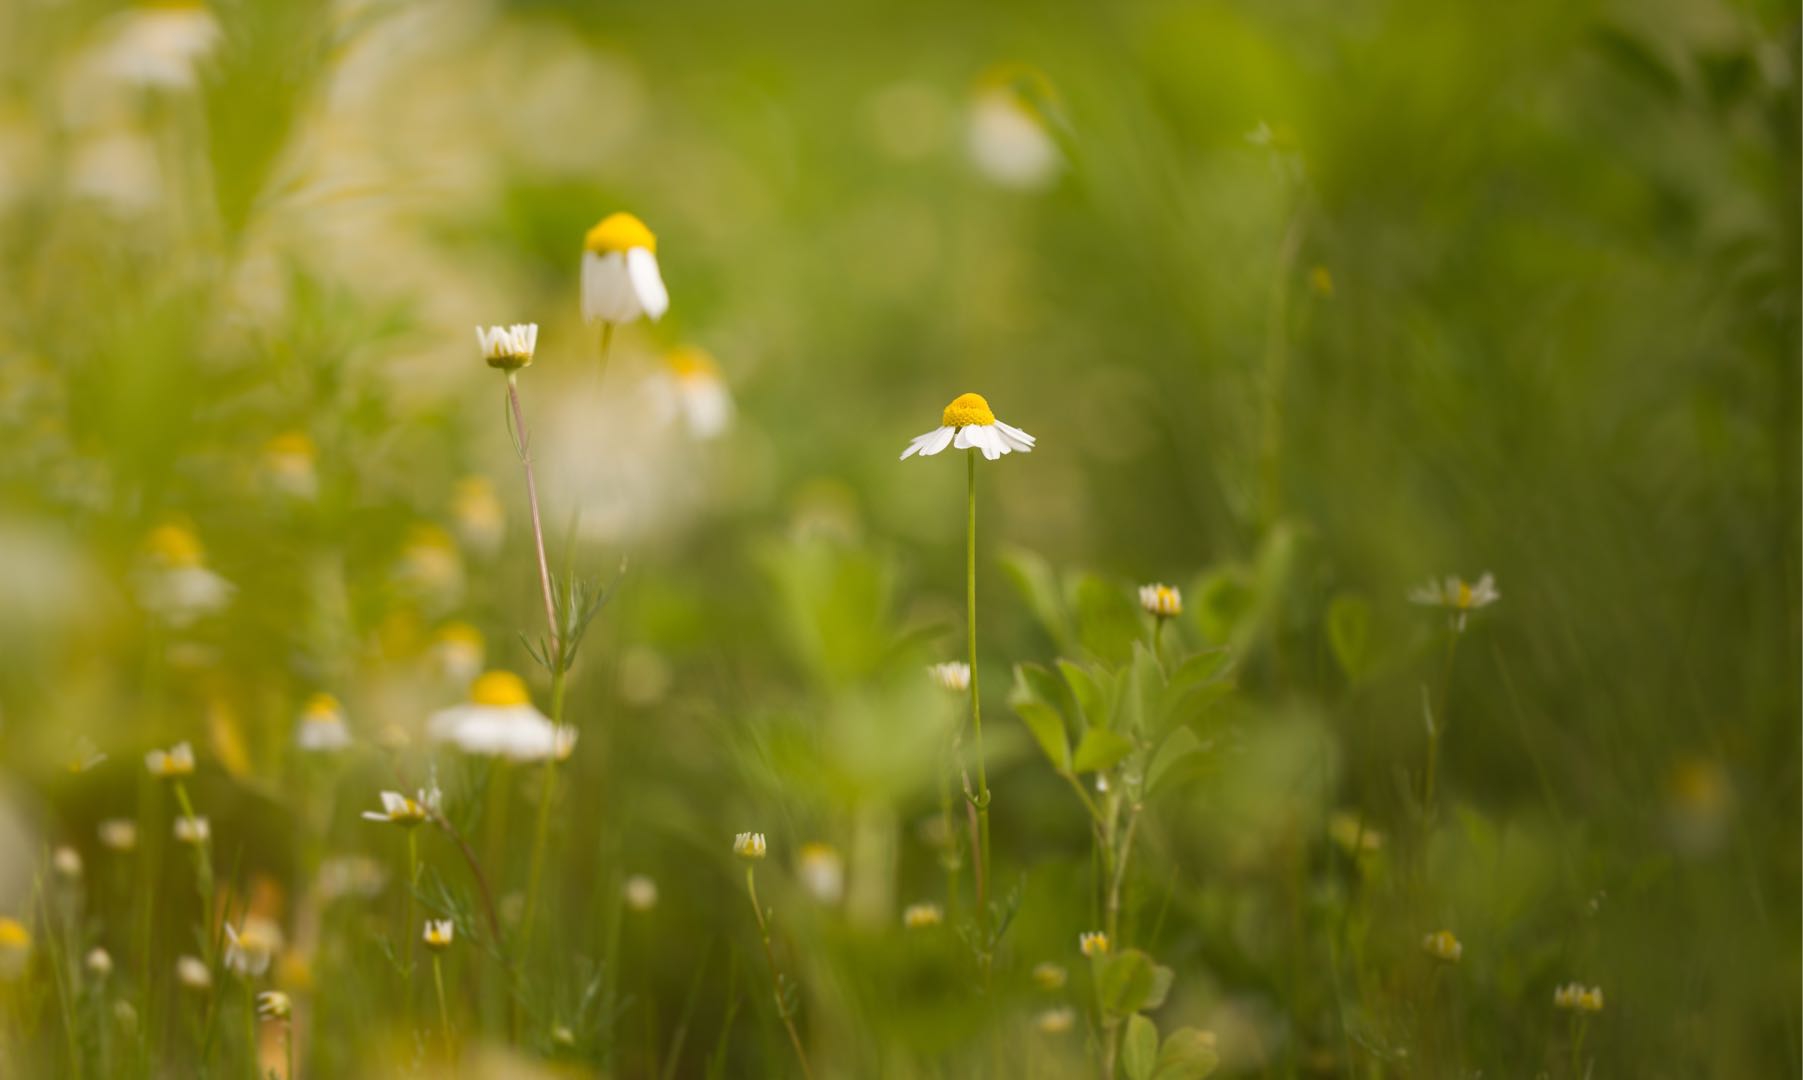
[
  {"x": 481, "y": 519},
  {"x": 1578, "y": 997},
  {"x": 1092, "y": 943},
  {"x": 1161, "y": 601},
  {"x": 192, "y": 831},
  {"x": 749, "y": 845},
  {"x": 398, "y": 809},
  {"x": 250, "y": 948},
  {"x": 1457, "y": 596},
  {"x": 1443, "y": 946},
  {"x": 438, "y": 934},
  {"x": 171, "y": 764},
  {"x": 15, "y": 947},
  {"x": 191, "y": 972},
  {"x": 174, "y": 583},
  {"x": 508, "y": 348},
  {"x": 1055, "y": 1021},
  {"x": 923, "y": 915},
  {"x": 458, "y": 650},
  {"x": 1050, "y": 976},
  {"x": 274, "y": 1005},
  {"x": 968, "y": 424},
  {"x": 954, "y": 675},
  {"x": 289, "y": 461},
  {"x": 1007, "y": 134},
  {"x": 499, "y": 720},
  {"x": 118, "y": 834},
  {"x": 620, "y": 278},
  {"x": 66, "y": 861},
  {"x": 822, "y": 872},
  {"x": 99, "y": 962},
  {"x": 689, "y": 388},
  {"x": 639, "y": 892},
  {"x": 321, "y": 725}
]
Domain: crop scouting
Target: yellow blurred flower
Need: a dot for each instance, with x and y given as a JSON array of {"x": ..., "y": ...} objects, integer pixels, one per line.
[
  {"x": 15, "y": 947},
  {"x": 1049, "y": 976},
  {"x": 289, "y": 460},
  {"x": 481, "y": 519},
  {"x": 1092, "y": 943},
  {"x": 1055, "y": 1021},
  {"x": 922, "y": 915}
]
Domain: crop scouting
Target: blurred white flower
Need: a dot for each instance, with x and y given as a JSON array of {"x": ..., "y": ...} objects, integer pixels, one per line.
[
  {"x": 321, "y": 726},
  {"x": 1006, "y": 132},
  {"x": 1458, "y": 596},
  {"x": 620, "y": 276},
  {"x": 1163, "y": 601},
  {"x": 1055, "y": 1021},
  {"x": 250, "y": 948},
  {"x": 99, "y": 962},
  {"x": 749, "y": 845},
  {"x": 640, "y": 892},
  {"x": 688, "y": 387},
  {"x": 158, "y": 45},
  {"x": 351, "y": 875},
  {"x": 174, "y": 584},
  {"x": 967, "y": 423},
  {"x": 822, "y": 872},
  {"x": 438, "y": 934},
  {"x": 118, "y": 834},
  {"x": 430, "y": 566},
  {"x": 289, "y": 461},
  {"x": 1443, "y": 946},
  {"x": 177, "y": 761},
  {"x": 459, "y": 650},
  {"x": 66, "y": 861},
  {"x": 922, "y": 915},
  {"x": 508, "y": 348},
  {"x": 1579, "y": 997},
  {"x": 193, "y": 831},
  {"x": 398, "y": 809},
  {"x": 274, "y": 1005},
  {"x": 117, "y": 169},
  {"x": 499, "y": 720},
  {"x": 481, "y": 519},
  {"x": 192, "y": 973},
  {"x": 954, "y": 675}
]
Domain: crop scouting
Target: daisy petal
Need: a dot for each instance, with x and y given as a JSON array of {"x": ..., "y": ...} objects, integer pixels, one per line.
[
  {"x": 937, "y": 440},
  {"x": 647, "y": 283}
]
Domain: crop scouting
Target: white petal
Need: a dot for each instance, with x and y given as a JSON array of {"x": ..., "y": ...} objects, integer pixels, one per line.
[
  {"x": 1016, "y": 434},
  {"x": 966, "y": 437},
  {"x": 991, "y": 442},
  {"x": 938, "y": 440},
  {"x": 608, "y": 294},
  {"x": 647, "y": 283}
]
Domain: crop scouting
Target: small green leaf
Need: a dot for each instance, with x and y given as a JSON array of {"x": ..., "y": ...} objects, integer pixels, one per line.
[
  {"x": 1187, "y": 1054},
  {"x": 1124, "y": 983},
  {"x": 1349, "y": 632},
  {"x": 1139, "y": 1053},
  {"x": 1038, "y": 586},
  {"x": 1092, "y": 699},
  {"x": 1048, "y": 730},
  {"x": 1162, "y": 977},
  {"x": 1179, "y": 759},
  {"x": 1035, "y": 682},
  {"x": 1108, "y": 619},
  {"x": 1099, "y": 749}
]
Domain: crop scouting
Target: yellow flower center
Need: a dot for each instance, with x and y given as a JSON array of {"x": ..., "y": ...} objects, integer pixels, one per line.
[
  {"x": 967, "y": 409},
  {"x": 690, "y": 362},
  {"x": 619, "y": 232},
  {"x": 321, "y": 709},
  {"x": 174, "y": 545},
  {"x": 500, "y": 689},
  {"x": 13, "y": 934},
  {"x": 1462, "y": 599},
  {"x": 460, "y": 633},
  {"x": 292, "y": 444}
]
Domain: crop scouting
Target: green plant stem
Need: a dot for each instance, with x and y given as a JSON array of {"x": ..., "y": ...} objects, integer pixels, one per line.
[
  {"x": 288, "y": 1049},
  {"x": 981, "y": 862},
  {"x": 1439, "y": 726},
  {"x": 523, "y": 443},
  {"x": 250, "y": 1033},
  {"x": 444, "y": 1012},
  {"x": 542, "y": 832},
  {"x": 776, "y": 982},
  {"x": 410, "y": 928}
]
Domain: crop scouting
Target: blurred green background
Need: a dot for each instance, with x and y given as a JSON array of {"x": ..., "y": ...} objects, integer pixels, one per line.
[{"x": 1306, "y": 304}]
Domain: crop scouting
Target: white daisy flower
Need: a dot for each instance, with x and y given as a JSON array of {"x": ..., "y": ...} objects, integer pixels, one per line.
[
  {"x": 398, "y": 809},
  {"x": 193, "y": 831},
  {"x": 321, "y": 726},
  {"x": 749, "y": 845},
  {"x": 499, "y": 720},
  {"x": 968, "y": 424},
  {"x": 954, "y": 675},
  {"x": 192, "y": 973},
  {"x": 1007, "y": 135},
  {"x": 118, "y": 834},
  {"x": 274, "y": 1005},
  {"x": 250, "y": 948},
  {"x": 620, "y": 278},
  {"x": 922, "y": 915},
  {"x": 174, "y": 584},
  {"x": 438, "y": 934},
  {"x": 99, "y": 962},
  {"x": 822, "y": 872},
  {"x": 689, "y": 388},
  {"x": 640, "y": 892},
  {"x": 289, "y": 462},
  {"x": 508, "y": 348},
  {"x": 66, "y": 861},
  {"x": 1163, "y": 601},
  {"x": 1458, "y": 596}
]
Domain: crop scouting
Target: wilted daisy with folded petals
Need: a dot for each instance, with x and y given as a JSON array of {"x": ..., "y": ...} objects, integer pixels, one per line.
[
  {"x": 1162, "y": 601},
  {"x": 321, "y": 727},
  {"x": 438, "y": 934},
  {"x": 620, "y": 277},
  {"x": 250, "y": 948},
  {"x": 954, "y": 675},
  {"x": 690, "y": 388},
  {"x": 499, "y": 720},
  {"x": 1457, "y": 595},
  {"x": 968, "y": 424},
  {"x": 749, "y": 845},
  {"x": 508, "y": 348}
]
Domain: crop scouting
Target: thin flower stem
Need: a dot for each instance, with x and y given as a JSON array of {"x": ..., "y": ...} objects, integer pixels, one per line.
[
  {"x": 1120, "y": 876},
  {"x": 1439, "y": 725},
  {"x": 444, "y": 1012},
  {"x": 976, "y": 699},
  {"x": 288, "y": 1049},
  {"x": 776, "y": 982},
  {"x": 250, "y": 1033},
  {"x": 543, "y": 831},
  {"x": 524, "y": 443},
  {"x": 409, "y": 927}
]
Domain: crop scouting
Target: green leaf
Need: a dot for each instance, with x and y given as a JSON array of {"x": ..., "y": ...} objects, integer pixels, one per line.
[
  {"x": 1349, "y": 632},
  {"x": 1108, "y": 619},
  {"x": 1139, "y": 1053},
  {"x": 1092, "y": 699},
  {"x": 1124, "y": 983},
  {"x": 1162, "y": 977},
  {"x": 1179, "y": 759},
  {"x": 1037, "y": 683},
  {"x": 1048, "y": 730},
  {"x": 1187, "y": 1054},
  {"x": 1038, "y": 586},
  {"x": 1099, "y": 749}
]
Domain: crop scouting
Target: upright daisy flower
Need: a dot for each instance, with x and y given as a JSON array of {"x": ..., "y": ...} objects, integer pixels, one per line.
[
  {"x": 321, "y": 726},
  {"x": 499, "y": 720},
  {"x": 171, "y": 764},
  {"x": 969, "y": 424},
  {"x": 954, "y": 675},
  {"x": 749, "y": 846},
  {"x": 689, "y": 388},
  {"x": 1457, "y": 596},
  {"x": 620, "y": 278},
  {"x": 1161, "y": 601},
  {"x": 508, "y": 348},
  {"x": 192, "y": 831},
  {"x": 1092, "y": 943}
]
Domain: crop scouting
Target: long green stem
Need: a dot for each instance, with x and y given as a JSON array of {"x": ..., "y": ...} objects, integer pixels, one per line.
[
  {"x": 776, "y": 980},
  {"x": 976, "y": 698},
  {"x": 1438, "y": 726},
  {"x": 444, "y": 1012},
  {"x": 524, "y": 443},
  {"x": 410, "y": 926},
  {"x": 542, "y": 832}
]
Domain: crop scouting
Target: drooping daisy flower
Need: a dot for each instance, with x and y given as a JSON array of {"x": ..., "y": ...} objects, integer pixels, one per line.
[
  {"x": 968, "y": 424},
  {"x": 398, "y": 809},
  {"x": 499, "y": 720},
  {"x": 1092, "y": 943},
  {"x": 321, "y": 727},
  {"x": 438, "y": 934},
  {"x": 1443, "y": 946},
  {"x": 481, "y": 519},
  {"x": 640, "y": 892},
  {"x": 508, "y": 348},
  {"x": 177, "y": 761},
  {"x": 1007, "y": 134},
  {"x": 749, "y": 845},
  {"x": 689, "y": 388},
  {"x": 289, "y": 461},
  {"x": 1161, "y": 601},
  {"x": 620, "y": 278},
  {"x": 922, "y": 915},
  {"x": 250, "y": 948},
  {"x": 174, "y": 583},
  {"x": 954, "y": 675},
  {"x": 1457, "y": 596},
  {"x": 822, "y": 872}
]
